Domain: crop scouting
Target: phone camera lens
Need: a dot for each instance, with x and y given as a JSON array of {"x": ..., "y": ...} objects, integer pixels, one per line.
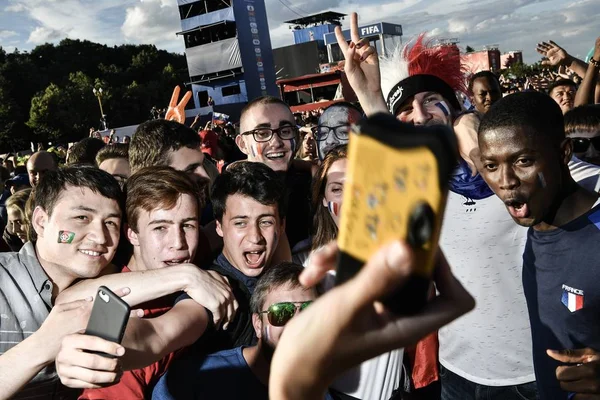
[{"x": 420, "y": 228}]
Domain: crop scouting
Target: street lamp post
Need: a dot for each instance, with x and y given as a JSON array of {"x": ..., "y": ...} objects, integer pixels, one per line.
[{"x": 98, "y": 94}]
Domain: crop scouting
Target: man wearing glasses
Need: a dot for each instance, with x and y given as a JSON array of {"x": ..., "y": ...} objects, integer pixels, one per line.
[
  {"x": 334, "y": 125},
  {"x": 243, "y": 372},
  {"x": 269, "y": 135}
]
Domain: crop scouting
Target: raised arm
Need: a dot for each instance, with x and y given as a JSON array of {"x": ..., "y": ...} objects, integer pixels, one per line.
[
  {"x": 557, "y": 56},
  {"x": 362, "y": 69},
  {"x": 586, "y": 92}
]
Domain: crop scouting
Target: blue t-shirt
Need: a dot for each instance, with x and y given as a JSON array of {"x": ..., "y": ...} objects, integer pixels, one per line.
[
  {"x": 224, "y": 375},
  {"x": 561, "y": 276}
]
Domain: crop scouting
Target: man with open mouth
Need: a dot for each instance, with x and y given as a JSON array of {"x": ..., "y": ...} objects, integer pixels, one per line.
[
  {"x": 249, "y": 205},
  {"x": 524, "y": 159}
]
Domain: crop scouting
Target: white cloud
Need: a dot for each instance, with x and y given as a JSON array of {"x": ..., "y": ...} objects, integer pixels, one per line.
[
  {"x": 4, "y": 34},
  {"x": 153, "y": 21},
  {"x": 17, "y": 7},
  {"x": 513, "y": 24},
  {"x": 41, "y": 34}
]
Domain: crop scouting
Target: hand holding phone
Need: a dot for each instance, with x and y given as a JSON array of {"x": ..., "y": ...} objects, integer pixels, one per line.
[
  {"x": 396, "y": 188},
  {"x": 109, "y": 317}
]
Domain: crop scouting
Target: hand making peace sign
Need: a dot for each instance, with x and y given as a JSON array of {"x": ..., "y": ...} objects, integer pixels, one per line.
[
  {"x": 362, "y": 69},
  {"x": 176, "y": 112}
]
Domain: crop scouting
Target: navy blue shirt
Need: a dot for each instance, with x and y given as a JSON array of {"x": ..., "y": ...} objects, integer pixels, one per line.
[
  {"x": 224, "y": 375},
  {"x": 561, "y": 276},
  {"x": 240, "y": 331}
]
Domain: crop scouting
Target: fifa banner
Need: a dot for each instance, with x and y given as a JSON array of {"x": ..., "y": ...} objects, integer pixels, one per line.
[{"x": 255, "y": 48}]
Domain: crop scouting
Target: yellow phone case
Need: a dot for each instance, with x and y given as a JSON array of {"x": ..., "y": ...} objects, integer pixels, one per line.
[{"x": 395, "y": 188}]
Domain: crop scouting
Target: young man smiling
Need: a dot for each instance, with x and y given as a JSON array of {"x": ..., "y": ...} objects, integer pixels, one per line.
[
  {"x": 524, "y": 159},
  {"x": 77, "y": 220}
]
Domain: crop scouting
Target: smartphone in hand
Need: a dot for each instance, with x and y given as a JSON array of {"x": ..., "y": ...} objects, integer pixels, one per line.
[
  {"x": 396, "y": 188},
  {"x": 109, "y": 317}
]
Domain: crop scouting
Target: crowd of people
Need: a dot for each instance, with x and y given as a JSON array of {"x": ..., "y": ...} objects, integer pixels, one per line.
[{"x": 222, "y": 241}]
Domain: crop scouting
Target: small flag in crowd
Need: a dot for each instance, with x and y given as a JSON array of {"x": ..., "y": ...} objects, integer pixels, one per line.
[{"x": 220, "y": 118}]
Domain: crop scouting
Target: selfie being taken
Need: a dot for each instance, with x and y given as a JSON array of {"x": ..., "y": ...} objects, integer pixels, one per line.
[{"x": 269, "y": 199}]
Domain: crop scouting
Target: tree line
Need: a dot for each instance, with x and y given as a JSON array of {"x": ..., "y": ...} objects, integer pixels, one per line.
[{"x": 46, "y": 94}]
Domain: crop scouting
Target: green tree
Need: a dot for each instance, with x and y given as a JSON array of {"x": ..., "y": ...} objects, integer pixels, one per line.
[
  {"x": 65, "y": 113},
  {"x": 469, "y": 49}
]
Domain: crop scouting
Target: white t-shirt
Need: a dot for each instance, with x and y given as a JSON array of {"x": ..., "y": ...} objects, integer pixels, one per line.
[
  {"x": 492, "y": 344},
  {"x": 375, "y": 379}
]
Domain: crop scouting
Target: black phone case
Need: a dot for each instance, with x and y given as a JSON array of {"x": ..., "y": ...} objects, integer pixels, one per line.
[
  {"x": 109, "y": 316},
  {"x": 441, "y": 141}
]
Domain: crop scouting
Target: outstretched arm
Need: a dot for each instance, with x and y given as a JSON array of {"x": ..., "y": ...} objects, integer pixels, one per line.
[
  {"x": 586, "y": 92},
  {"x": 362, "y": 69}
]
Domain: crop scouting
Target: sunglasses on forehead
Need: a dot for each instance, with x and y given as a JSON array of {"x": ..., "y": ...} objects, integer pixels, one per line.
[
  {"x": 279, "y": 314},
  {"x": 581, "y": 145}
]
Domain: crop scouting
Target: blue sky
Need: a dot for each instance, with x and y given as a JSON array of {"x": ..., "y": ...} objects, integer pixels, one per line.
[{"x": 512, "y": 24}]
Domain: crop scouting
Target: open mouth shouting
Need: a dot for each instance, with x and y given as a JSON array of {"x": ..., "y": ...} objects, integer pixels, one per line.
[
  {"x": 517, "y": 208},
  {"x": 255, "y": 258}
]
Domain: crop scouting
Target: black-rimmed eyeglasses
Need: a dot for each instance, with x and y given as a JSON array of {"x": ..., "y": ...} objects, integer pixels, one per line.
[
  {"x": 340, "y": 132},
  {"x": 266, "y": 134}
]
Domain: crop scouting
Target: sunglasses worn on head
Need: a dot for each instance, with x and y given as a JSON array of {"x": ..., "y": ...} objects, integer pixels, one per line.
[
  {"x": 279, "y": 314},
  {"x": 581, "y": 145}
]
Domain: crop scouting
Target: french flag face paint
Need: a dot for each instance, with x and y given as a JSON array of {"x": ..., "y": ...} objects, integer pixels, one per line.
[
  {"x": 444, "y": 107},
  {"x": 334, "y": 208}
]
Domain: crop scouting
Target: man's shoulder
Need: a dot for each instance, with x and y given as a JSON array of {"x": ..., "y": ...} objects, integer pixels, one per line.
[
  {"x": 225, "y": 358},
  {"x": 15, "y": 264}
]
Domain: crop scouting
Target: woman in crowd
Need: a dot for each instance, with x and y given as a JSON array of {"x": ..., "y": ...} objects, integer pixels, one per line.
[
  {"x": 17, "y": 225},
  {"x": 307, "y": 150},
  {"x": 326, "y": 201}
]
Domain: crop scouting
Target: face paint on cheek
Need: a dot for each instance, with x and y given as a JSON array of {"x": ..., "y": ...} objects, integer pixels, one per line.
[
  {"x": 267, "y": 333},
  {"x": 260, "y": 149},
  {"x": 252, "y": 150},
  {"x": 334, "y": 208},
  {"x": 66, "y": 237},
  {"x": 542, "y": 180},
  {"x": 293, "y": 142},
  {"x": 444, "y": 107}
]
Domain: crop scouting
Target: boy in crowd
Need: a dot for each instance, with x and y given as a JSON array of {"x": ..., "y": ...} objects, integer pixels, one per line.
[
  {"x": 162, "y": 142},
  {"x": 114, "y": 159},
  {"x": 249, "y": 206},
  {"x": 277, "y": 298},
  {"x": 484, "y": 90},
  {"x": 524, "y": 158}
]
